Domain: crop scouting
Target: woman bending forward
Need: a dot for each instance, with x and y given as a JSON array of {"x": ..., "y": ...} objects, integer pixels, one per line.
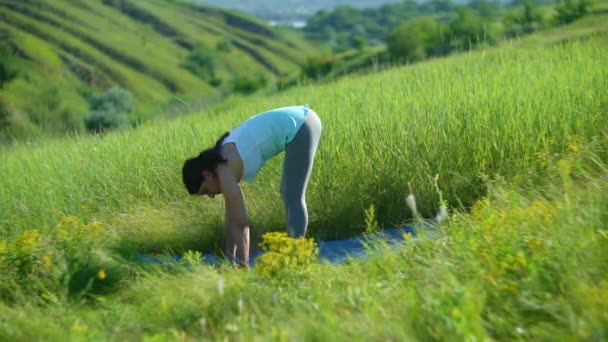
[{"x": 240, "y": 154}]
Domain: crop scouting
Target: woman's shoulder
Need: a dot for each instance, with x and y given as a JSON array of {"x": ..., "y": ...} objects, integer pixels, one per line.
[{"x": 234, "y": 162}]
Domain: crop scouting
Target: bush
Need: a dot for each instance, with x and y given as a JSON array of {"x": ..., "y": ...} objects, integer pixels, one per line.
[
  {"x": 469, "y": 30},
  {"x": 7, "y": 71},
  {"x": 109, "y": 110},
  {"x": 359, "y": 42},
  {"x": 523, "y": 20},
  {"x": 249, "y": 84},
  {"x": 286, "y": 256},
  {"x": 224, "y": 46},
  {"x": 417, "y": 39},
  {"x": 202, "y": 62},
  {"x": 66, "y": 262},
  {"x": 570, "y": 10},
  {"x": 317, "y": 67}
]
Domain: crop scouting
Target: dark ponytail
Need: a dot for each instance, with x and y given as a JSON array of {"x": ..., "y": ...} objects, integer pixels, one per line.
[{"x": 208, "y": 160}]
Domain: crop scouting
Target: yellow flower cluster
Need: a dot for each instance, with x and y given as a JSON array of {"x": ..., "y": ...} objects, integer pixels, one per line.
[
  {"x": 28, "y": 240},
  {"x": 511, "y": 241},
  {"x": 285, "y": 254},
  {"x": 537, "y": 213},
  {"x": 70, "y": 228}
]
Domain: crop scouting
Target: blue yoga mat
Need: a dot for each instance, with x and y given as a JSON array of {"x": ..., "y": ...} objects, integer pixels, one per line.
[{"x": 335, "y": 252}]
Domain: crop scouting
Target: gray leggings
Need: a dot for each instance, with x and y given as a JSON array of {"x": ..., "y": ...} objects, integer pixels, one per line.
[{"x": 297, "y": 167}]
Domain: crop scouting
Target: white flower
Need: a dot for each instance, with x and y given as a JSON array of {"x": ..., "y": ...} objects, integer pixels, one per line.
[
  {"x": 203, "y": 323},
  {"x": 220, "y": 286},
  {"x": 240, "y": 305},
  {"x": 442, "y": 215},
  {"x": 411, "y": 202}
]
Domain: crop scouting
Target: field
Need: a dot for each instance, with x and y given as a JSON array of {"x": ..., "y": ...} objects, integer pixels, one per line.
[{"x": 515, "y": 139}]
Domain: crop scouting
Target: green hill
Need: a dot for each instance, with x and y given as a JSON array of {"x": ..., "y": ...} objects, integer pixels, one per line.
[{"x": 58, "y": 53}]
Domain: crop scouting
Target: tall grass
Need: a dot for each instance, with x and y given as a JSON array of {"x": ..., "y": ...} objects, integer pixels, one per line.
[
  {"x": 526, "y": 263},
  {"x": 517, "y": 137},
  {"x": 490, "y": 113}
]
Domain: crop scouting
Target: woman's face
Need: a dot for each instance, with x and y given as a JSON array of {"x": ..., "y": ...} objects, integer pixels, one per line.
[{"x": 210, "y": 185}]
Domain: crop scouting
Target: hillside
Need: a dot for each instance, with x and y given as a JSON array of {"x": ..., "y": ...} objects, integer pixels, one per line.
[{"x": 61, "y": 52}]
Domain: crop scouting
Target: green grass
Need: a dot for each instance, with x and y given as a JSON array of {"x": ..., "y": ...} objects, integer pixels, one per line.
[
  {"x": 517, "y": 136},
  {"x": 501, "y": 104}
]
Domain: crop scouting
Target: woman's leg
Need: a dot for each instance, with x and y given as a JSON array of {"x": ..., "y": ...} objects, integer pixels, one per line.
[{"x": 299, "y": 158}]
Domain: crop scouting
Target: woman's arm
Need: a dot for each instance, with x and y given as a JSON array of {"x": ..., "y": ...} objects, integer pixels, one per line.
[{"x": 237, "y": 225}]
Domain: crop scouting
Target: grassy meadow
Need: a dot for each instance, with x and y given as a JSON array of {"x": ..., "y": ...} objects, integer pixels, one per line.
[{"x": 515, "y": 138}]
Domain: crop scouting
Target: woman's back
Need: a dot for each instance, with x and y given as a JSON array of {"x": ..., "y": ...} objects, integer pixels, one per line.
[{"x": 265, "y": 135}]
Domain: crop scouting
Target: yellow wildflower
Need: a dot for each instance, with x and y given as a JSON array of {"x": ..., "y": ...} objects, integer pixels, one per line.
[
  {"x": 47, "y": 261},
  {"x": 94, "y": 226},
  {"x": 101, "y": 274},
  {"x": 511, "y": 286},
  {"x": 28, "y": 240}
]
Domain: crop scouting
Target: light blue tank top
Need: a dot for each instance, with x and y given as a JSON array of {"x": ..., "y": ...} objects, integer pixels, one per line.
[{"x": 265, "y": 135}]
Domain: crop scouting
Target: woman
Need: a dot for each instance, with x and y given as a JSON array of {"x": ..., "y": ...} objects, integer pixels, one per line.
[{"x": 240, "y": 154}]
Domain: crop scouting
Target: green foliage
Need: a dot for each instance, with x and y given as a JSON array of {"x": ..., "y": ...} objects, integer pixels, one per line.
[
  {"x": 344, "y": 23},
  {"x": 487, "y": 9},
  {"x": 359, "y": 42},
  {"x": 51, "y": 267},
  {"x": 109, "y": 110},
  {"x": 523, "y": 20},
  {"x": 405, "y": 44},
  {"x": 568, "y": 11},
  {"x": 5, "y": 114},
  {"x": 469, "y": 30},
  {"x": 203, "y": 62},
  {"x": 438, "y": 6},
  {"x": 416, "y": 39},
  {"x": 371, "y": 224},
  {"x": 317, "y": 67},
  {"x": 248, "y": 84},
  {"x": 224, "y": 46},
  {"x": 7, "y": 69}
]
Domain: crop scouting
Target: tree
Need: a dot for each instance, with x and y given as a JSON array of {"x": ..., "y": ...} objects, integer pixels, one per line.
[
  {"x": 417, "y": 39},
  {"x": 468, "y": 30},
  {"x": 525, "y": 19},
  {"x": 317, "y": 67},
  {"x": 249, "y": 84},
  {"x": 570, "y": 10},
  {"x": 359, "y": 42},
  {"x": 438, "y": 6},
  {"x": 109, "y": 110},
  {"x": 486, "y": 9}
]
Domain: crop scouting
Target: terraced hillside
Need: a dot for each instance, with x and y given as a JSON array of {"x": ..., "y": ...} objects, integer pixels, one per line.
[{"x": 63, "y": 51}]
